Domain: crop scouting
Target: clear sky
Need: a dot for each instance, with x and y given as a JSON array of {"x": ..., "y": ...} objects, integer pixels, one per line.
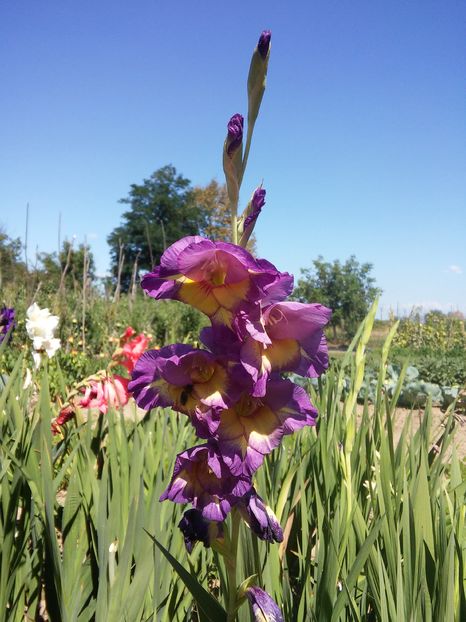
[{"x": 360, "y": 143}]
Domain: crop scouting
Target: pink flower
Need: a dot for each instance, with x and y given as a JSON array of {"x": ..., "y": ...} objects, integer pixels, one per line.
[
  {"x": 104, "y": 393},
  {"x": 99, "y": 392},
  {"x": 131, "y": 348}
]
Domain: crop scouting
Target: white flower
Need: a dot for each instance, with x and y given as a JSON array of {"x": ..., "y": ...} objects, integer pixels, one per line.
[
  {"x": 51, "y": 346},
  {"x": 40, "y": 323},
  {"x": 40, "y": 326}
]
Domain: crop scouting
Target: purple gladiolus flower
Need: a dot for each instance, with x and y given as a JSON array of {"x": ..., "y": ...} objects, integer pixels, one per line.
[
  {"x": 260, "y": 518},
  {"x": 235, "y": 133},
  {"x": 200, "y": 477},
  {"x": 196, "y": 528},
  {"x": 7, "y": 321},
  {"x": 253, "y": 427},
  {"x": 186, "y": 379},
  {"x": 217, "y": 278},
  {"x": 264, "y": 608},
  {"x": 286, "y": 336},
  {"x": 264, "y": 43}
]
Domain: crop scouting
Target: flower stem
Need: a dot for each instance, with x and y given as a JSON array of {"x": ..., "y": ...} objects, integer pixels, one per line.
[
  {"x": 231, "y": 565},
  {"x": 234, "y": 227}
]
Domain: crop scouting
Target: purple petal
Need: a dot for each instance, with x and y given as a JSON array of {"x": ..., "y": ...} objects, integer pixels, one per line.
[
  {"x": 169, "y": 259},
  {"x": 295, "y": 320},
  {"x": 157, "y": 287},
  {"x": 235, "y": 133},
  {"x": 201, "y": 477},
  {"x": 195, "y": 528},
  {"x": 314, "y": 357},
  {"x": 260, "y": 518},
  {"x": 264, "y": 608},
  {"x": 220, "y": 340},
  {"x": 253, "y": 427},
  {"x": 143, "y": 375},
  {"x": 258, "y": 368},
  {"x": 291, "y": 403},
  {"x": 257, "y": 203}
]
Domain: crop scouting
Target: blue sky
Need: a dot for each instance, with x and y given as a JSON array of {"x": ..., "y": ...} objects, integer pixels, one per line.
[{"x": 360, "y": 142}]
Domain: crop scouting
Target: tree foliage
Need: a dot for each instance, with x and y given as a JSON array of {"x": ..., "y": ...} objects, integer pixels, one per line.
[
  {"x": 212, "y": 200},
  {"x": 161, "y": 210},
  {"x": 12, "y": 268},
  {"x": 68, "y": 265},
  {"x": 347, "y": 288}
]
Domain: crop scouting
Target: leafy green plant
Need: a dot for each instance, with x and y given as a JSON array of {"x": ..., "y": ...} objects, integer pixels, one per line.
[
  {"x": 374, "y": 524},
  {"x": 436, "y": 332}
]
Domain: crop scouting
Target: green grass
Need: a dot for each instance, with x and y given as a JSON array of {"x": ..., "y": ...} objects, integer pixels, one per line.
[{"x": 374, "y": 529}]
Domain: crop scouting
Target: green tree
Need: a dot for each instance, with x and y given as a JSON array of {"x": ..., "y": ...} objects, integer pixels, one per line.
[
  {"x": 161, "y": 210},
  {"x": 12, "y": 268},
  {"x": 347, "y": 288},
  {"x": 67, "y": 266},
  {"x": 212, "y": 200}
]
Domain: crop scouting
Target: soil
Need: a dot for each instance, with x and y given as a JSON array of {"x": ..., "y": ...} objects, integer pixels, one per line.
[{"x": 438, "y": 425}]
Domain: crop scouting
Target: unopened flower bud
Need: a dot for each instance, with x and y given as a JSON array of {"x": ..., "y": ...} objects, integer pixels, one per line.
[
  {"x": 233, "y": 159},
  {"x": 195, "y": 528},
  {"x": 250, "y": 215},
  {"x": 264, "y": 43},
  {"x": 257, "y": 203},
  {"x": 235, "y": 133},
  {"x": 260, "y": 518},
  {"x": 264, "y": 608}
]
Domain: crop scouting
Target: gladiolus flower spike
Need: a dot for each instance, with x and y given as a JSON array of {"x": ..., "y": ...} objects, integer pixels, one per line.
[{"x": 231, "y": 389}]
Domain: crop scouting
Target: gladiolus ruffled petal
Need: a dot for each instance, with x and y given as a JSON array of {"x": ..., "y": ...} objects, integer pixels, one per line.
[
  {"x": 253, "y": 427},
  {"x": 200, "y": 477},
  {"x": 217, "y": 278}
]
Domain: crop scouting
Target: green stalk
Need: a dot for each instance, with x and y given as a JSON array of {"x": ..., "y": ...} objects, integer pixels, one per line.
[
  {"x": 230, "y": 563},
  {"x": 247, "y": 148},
  {"x": 234, "y": 229}
]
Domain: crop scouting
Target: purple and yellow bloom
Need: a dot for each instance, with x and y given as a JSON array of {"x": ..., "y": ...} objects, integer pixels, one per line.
[
  {"x": 260, "y": 518},
  {"x": 217, "y": 278},
  {"x": 253, "y": 427},
  {"x": 235, "y": 133},
  {"x": 184, "y": 378},
  {"x": 286, "y": 336},
  {"x": 200, "y": 477},
  {"x": 264, "y": 43},
  {"x": 7, "y": 321},
  {"x": 264, "y": 608},
  {"x": 195, "y": 528}
]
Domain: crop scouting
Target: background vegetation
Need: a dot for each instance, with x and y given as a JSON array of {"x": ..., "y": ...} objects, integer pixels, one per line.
[{"x": 374, "y": 520}]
